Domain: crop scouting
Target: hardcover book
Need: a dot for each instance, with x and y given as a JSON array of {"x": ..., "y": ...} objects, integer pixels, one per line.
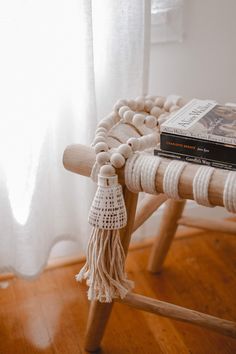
[
  {"x": 194, "y": 159},
  {"x": 203, "y": 119},
  {"x": 202, "y": 129},
  {"x": 198, "y": 148}
]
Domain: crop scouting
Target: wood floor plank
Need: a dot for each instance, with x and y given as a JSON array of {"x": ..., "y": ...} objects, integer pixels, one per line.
[
  {"x": 49, "y": 315},
  {"x": 179, "y": 284}
]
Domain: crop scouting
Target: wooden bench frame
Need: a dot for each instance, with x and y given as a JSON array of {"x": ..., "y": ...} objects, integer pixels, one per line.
[{"x": 80, "y": 159}]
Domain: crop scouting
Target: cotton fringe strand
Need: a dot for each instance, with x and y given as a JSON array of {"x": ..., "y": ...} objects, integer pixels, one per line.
[{"x": 104, "y": 268}]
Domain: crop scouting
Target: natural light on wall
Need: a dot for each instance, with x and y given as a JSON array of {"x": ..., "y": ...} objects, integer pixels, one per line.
[{"x": 167, "y": 21}]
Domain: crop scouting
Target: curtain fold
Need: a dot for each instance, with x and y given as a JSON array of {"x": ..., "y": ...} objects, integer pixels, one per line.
[{"x": 63, "y": 66}]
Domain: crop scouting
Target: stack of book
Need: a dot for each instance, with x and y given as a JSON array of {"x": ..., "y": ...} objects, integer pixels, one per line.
[{"x": 202, "y": 132}]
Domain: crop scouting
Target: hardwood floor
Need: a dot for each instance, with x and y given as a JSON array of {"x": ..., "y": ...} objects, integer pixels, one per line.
[{"x": 49, "y": 315}]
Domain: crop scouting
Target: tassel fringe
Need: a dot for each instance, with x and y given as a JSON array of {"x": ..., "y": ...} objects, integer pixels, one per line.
[{"x": 104, "y": 268}]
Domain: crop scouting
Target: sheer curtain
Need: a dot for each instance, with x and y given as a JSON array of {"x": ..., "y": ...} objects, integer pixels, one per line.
[{"x": 63, "y": 64}]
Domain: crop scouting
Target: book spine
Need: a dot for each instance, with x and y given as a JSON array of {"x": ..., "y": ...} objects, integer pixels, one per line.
[
  {"x": 195, "y": 160},
  {"x": 201, "y": 136},
  {"x": 198, "y": 148}
]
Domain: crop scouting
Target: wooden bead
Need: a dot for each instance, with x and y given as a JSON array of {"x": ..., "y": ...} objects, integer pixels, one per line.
[
  {"x": 115, "y": 116},
  {"x": 132, "y": 105},
  {"x": 102, "y": 158},
  {"x": 134, "y": 143},
  {"x": 142, "y": 145},
  {"x": 150, "y": 122},
  {"x": 101, "y": 134},
  {"x": 159, "y": 101},
  {"x": 104, "y": 124},
  {"x": 99, "y": 147},
  {"x": 107, "y": 171},
  {"x": 125, "y": 150},
  {"x": 117, "y": 160},
  {"x": 140, "y": 103},
  {"x": 119, "y": 104},
  {"x": 181, "y": 102},
  {"x": 128, "y": 116},
  {"x": 138, "y": 120},
  {"x": 155, "y": 111},
  {"x": 149, "y": 97},
  {"x": 174, "y": 108},
  {"x": 100, "y": 130},
  {"x": 148, "y": 141},
  {"x": 163, "y": 117},
  {"x": 148, "y": 105},
  {"x": 110, "y": 120},
  {"x": 122, "y": 110},
  {"x": 99, "y": 139},
  {"x": 167, "y": 105},
  {"x": 139, "y": 98}
]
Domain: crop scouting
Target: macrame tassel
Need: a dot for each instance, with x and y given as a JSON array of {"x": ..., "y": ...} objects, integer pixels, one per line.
[{"x": 104, "y": 268}]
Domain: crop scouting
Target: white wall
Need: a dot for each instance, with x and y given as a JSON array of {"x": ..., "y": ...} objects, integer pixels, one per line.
[{"x": 203, "y": 65}]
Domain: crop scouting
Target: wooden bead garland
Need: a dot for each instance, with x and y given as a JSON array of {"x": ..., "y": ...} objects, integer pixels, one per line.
[
  {"x": 150, "y": 111},
  {"x": 104, "y": 268},
  {"x": 108, "y": 212}
]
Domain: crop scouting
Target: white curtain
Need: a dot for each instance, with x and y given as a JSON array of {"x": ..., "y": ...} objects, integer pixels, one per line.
[{"x": 63, "y": 64}]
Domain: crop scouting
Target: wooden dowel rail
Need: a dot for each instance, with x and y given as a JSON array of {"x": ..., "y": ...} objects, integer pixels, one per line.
[
  {"x": 147, "y": 206},
  {"x": 166, "y": 309},
  {"x": 206, "y": 224},
  {"x": 80, "y": 159}
]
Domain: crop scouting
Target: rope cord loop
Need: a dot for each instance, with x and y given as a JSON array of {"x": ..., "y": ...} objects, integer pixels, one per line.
[
  {"x": 129, "y": 172},
  {"x": 148, "y": 174},
  {"x": 201, "y": 182},
  {"x": 140, "y": 173},
  {"x": 171, "y": 179},
  {"x": 229, "y": 193},
  {"x": 136, "y": 172}
]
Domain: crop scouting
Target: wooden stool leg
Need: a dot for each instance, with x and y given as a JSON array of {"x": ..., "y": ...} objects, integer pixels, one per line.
[
  {"x": 99, "y": 313},
  {"x": 173, "y": 211}
]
